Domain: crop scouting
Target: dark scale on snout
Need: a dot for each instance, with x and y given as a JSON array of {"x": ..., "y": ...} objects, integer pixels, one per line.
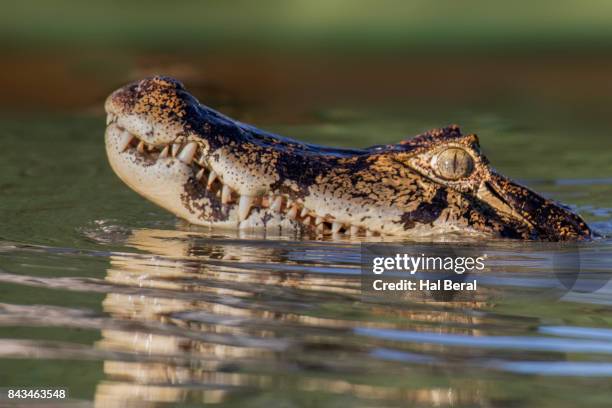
[{"x": 439, "y": 180}]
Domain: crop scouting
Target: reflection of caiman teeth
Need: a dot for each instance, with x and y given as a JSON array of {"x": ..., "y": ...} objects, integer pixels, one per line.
[{"x": 190, "y": 153}]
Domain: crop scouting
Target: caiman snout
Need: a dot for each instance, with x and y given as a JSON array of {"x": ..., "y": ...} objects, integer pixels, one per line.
[{"x": 546, "y": 217}]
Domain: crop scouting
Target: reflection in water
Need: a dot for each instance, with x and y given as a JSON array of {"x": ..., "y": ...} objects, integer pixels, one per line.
[
  {"x": 245, "y": 323},
  {"x": 181, "y": 317}
]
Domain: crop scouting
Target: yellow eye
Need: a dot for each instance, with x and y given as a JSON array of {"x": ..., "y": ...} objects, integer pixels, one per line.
[{"x": 453, "y": 163}]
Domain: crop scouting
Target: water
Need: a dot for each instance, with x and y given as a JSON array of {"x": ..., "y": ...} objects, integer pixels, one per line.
[{"x": 115, "y": 300}]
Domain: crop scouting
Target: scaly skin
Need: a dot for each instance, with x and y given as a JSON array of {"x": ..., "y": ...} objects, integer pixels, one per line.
[{"x": 212, "y": 170}]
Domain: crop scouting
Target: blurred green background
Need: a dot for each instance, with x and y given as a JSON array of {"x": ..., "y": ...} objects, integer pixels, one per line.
[
  {"x": 529, "y": 77},
  {"x": 284, "y": 57}
]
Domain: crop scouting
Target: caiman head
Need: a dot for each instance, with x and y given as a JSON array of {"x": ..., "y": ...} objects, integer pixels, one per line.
[{"x": 212, "y": 170}]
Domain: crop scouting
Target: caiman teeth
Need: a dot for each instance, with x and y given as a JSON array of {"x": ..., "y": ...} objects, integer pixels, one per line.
[
  {"x": 200, "y": 174},
  {"x": 292, "y": 214},
  {"x": 336, "y": 227},
  {"x": 164, "y": 152},
  {"x": 318, "y": 220},
  {"x": 244, "y": 206},
  {"x": 211, "y": 179},
  {"x": 304, "y": 212},
  {"x": 277, "y": 204},
  {"x": 354, "y": 230},
  {"x": 175, "y": 148},
  {"x": 124, "y": 141},
  {"x": 186, "y": 155},
  {"x": 306, "y": 221},
  {"x": 226, "y": 195},
  {"x": 141, "y": 147}
]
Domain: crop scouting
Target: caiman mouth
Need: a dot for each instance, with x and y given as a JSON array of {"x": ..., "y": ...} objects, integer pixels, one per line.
[{"x": 186, "y": 158}]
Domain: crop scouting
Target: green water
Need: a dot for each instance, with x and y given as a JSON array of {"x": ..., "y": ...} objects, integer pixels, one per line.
[{"x": 113, "y": 299}]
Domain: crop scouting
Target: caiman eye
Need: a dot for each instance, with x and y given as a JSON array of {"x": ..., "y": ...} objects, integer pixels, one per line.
[{"x": 453, "y": 163}]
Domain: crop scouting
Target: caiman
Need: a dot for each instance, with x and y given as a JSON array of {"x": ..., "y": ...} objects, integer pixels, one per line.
[{"x": 212, "y": 170}]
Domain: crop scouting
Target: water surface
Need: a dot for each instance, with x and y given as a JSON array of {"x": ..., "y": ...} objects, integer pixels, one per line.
[{"x": 114, "y": 299}]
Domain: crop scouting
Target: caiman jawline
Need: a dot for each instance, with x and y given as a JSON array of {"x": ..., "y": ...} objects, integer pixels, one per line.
[{"x": 191, "y": 154}]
